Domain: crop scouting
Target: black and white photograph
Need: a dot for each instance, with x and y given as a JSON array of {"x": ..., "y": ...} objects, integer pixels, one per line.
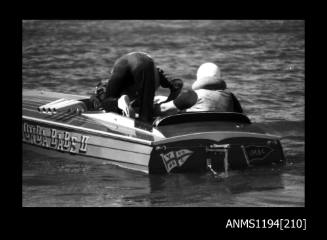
[{"x": 163, "y": 113}]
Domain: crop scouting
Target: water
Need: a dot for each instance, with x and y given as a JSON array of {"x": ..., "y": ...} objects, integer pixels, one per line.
[{"x": 261, "y": 61}]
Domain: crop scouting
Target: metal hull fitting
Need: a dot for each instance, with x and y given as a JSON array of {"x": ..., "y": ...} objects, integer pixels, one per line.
[{"x": 181, "y": 143}]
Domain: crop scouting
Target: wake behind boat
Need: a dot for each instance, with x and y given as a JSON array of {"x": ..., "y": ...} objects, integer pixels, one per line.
[{"x": 186, "y": 142}]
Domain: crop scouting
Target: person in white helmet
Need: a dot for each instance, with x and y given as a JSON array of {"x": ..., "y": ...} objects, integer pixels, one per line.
[{"x": 209, "y": 93}]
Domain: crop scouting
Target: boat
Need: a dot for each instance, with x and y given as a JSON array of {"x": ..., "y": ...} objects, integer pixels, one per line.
[{"x": 184, "y": 142}]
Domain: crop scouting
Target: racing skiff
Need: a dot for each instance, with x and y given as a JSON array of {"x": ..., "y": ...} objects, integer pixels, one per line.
[{"x": 186, "y": 142}]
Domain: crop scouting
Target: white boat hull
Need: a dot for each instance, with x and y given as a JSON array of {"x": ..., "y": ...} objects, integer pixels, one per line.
[{"x": 180, "y": 143}]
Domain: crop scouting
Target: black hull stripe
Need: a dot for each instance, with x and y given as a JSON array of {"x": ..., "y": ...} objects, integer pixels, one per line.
[
  {"x": 97, "y": 146},
  {"x": 94, "y": 132}
]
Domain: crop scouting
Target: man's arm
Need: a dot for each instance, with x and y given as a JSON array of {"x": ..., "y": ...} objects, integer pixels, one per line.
[{"x": 185, "y": 99}]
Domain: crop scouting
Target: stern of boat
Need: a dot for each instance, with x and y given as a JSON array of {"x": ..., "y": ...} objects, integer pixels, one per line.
[{"x": 215, "y": 151}]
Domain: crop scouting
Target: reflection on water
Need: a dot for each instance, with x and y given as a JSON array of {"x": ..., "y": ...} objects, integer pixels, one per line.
[{"x": 60, "y": 182}]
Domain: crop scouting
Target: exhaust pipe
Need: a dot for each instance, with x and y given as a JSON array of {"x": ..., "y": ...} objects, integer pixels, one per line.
[
  {"x": 44, "y": 107},
  {"x": 55, "y": 107},
  {"x": 62, "y": 105},
  {"x": 68, "y": 106}
]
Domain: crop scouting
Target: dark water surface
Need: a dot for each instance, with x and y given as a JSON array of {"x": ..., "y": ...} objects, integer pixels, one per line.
[{"x": 261, "y": 61}]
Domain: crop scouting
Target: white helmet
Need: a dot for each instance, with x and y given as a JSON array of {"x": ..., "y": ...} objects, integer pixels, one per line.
[
  {"x": 210, "y": 70},
  {"x": 208, "y": 76}
]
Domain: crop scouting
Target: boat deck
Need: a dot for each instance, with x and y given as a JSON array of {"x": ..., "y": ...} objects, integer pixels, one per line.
[{"x": 33, "y": 99}]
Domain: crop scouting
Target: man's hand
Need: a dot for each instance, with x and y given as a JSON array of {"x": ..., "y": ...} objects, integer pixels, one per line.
[
  {"x": 165, "y": 109},
  {"x": 96, "y": 104},
  {"x": 159, "y": 99},
  {"x": 176, "y": 88},
  {"x": 124, "y": 105}
]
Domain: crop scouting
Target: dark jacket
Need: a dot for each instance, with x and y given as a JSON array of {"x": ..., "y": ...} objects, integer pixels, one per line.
[{"x": 135, "y": 75}]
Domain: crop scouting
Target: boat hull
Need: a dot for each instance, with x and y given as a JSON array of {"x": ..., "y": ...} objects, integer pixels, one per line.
[
  {"x": 186, "y": 143},
  {"x": 79, "y": 142}
]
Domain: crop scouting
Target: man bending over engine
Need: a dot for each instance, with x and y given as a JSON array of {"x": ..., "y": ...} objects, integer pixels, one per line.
[{"x": 132, "y": 85}]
